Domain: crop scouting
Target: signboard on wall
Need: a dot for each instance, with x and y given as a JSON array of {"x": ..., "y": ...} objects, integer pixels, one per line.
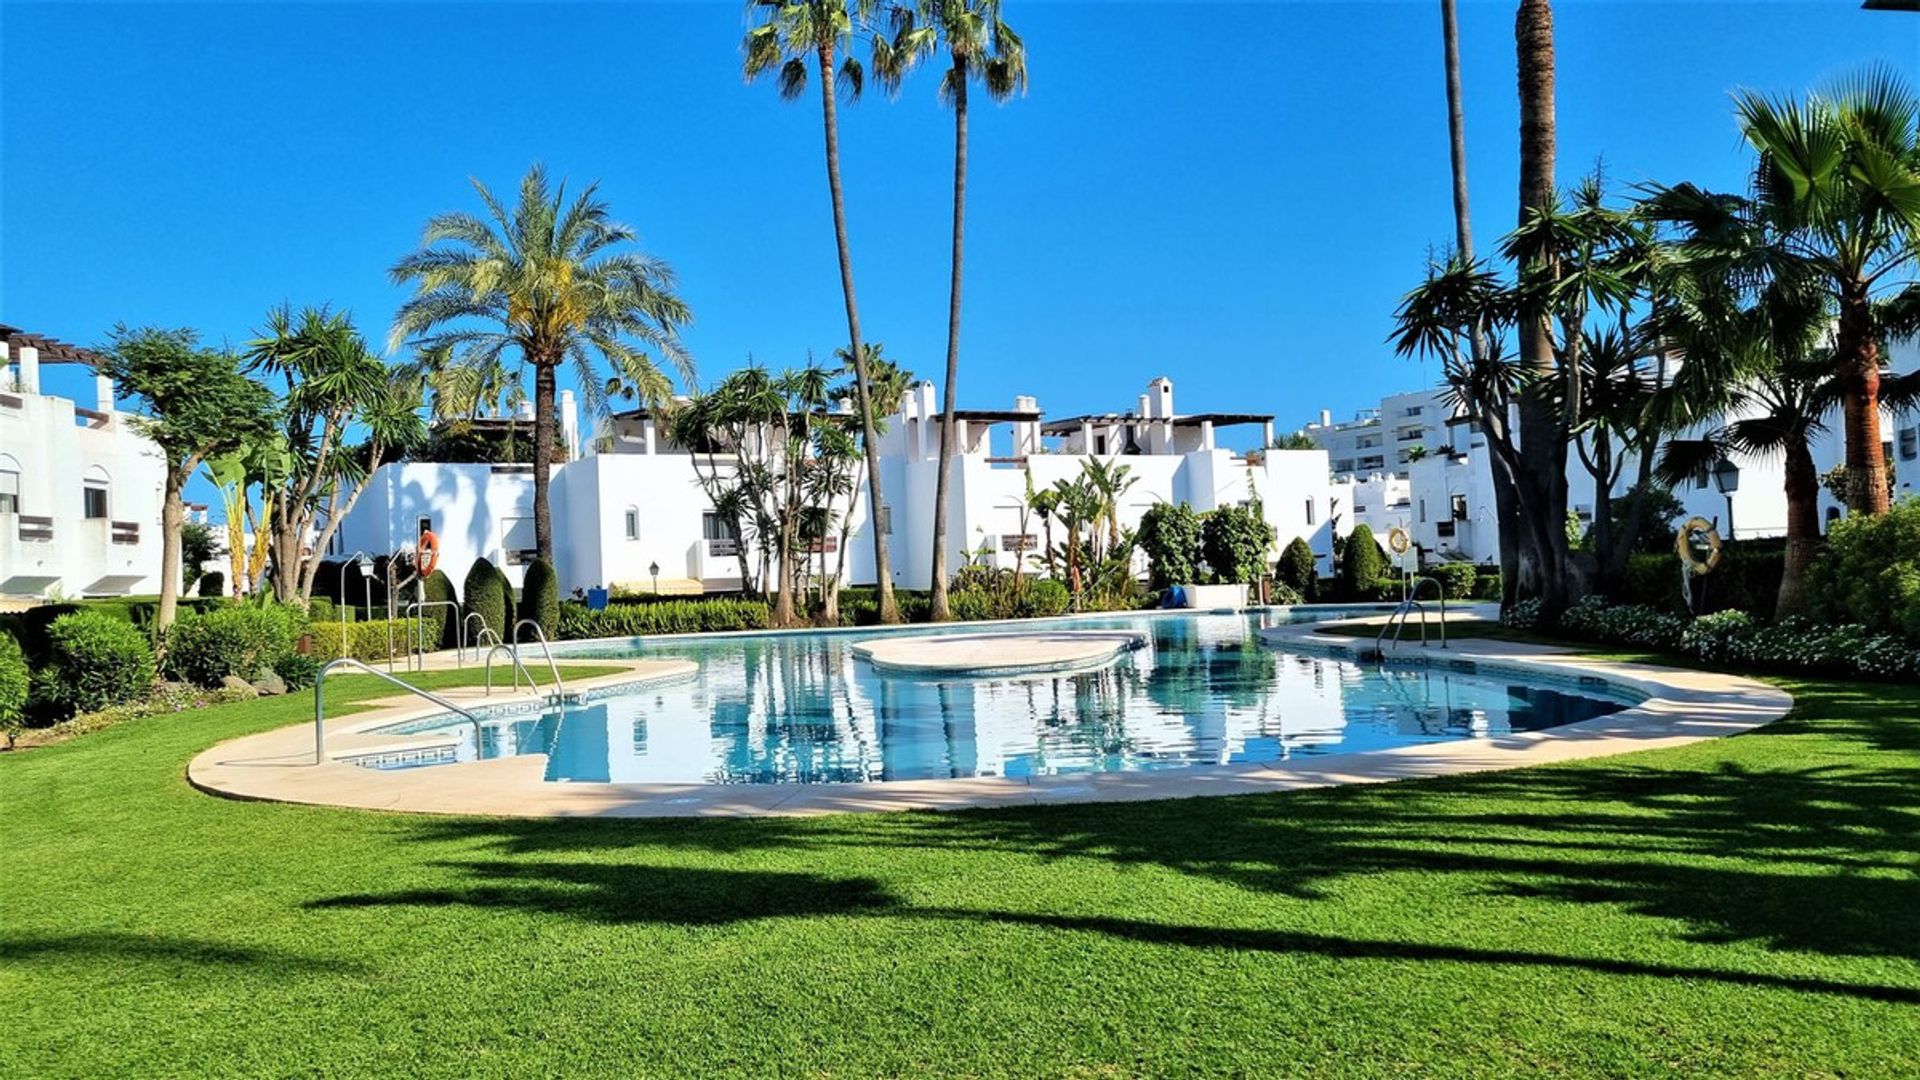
[{"x": 1019, "y": 542}]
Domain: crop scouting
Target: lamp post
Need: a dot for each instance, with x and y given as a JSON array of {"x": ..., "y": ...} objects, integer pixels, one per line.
[
  {"x": 654, "y": 569},
  {"x": 1726, "y": 477},
  {"x": 359, "y": 559}
]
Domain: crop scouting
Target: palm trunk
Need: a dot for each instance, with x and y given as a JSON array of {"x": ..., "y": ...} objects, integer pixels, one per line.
[
  {"x": 1457, "y": 139},
  {"x": 1803, "y": 527},
  {"x": 939, "y": 610},
  {"x": 1542, "y": 476},
  {"x": 870, "y": 438},
  {"x": 543, "y": 387},
  {"x": 1866, "y": 456}
]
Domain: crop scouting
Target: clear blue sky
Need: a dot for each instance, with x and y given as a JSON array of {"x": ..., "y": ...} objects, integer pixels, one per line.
[{"x": 1234, "y": 195}]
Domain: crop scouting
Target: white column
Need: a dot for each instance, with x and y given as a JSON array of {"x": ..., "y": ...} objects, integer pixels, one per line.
[
  {"x": 1086, "y": 437},
  {"x": 650, "y": 429},
  {"x": 1266, "y": 434},
  {"x": 6, "y": 368},
  {"x": 103, "y": 394},
  {"x": 29, "y": 369},
  {"x": 960, "y": 433},
  {"x": 1206, "y": 434}
]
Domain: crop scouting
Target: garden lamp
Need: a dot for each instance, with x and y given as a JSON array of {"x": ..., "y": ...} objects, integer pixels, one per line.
[
  {"x": 1726, "y": 477},
  {"x": 654, "y": 569}
]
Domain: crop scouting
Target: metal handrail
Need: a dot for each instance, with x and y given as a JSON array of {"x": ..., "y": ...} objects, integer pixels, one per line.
[
  {"x": 420, "y": 630},
  {"x": 559, "y": 688},
  {"x": 1409, "y": 605},
  {"x": 480, "y": 638},
  {"x": 320, "y": 703},
  {"x": 519, "y": 668}
]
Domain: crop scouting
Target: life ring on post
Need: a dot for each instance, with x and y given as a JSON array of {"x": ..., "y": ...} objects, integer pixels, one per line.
[
  {"x": 1398, "y": 541},
  {"x": 1683, "y": 546},
  {"x": 427, "y": 554}
]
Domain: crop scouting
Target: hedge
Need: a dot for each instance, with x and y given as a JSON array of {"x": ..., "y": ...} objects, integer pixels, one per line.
[
  {"x": 1870, "y": 571},
  {"x": 1456, "y": 578},
  {"x": 241, "y": 640},
  {"x": 443, "y": 623},
  {"x": 93, "y": 660},
  {"x": 679, "y": 617},
  {"x": 1737, "y": 638},
  {"x": 540, "y": 597},
  {"x": 14, "y": 682},
  {"x": 30, "y": 627},
  {"x": 365, "y": 640}
]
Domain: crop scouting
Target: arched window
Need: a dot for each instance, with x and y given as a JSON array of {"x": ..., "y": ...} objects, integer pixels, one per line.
[
  {"x": 633, "y": 523},
  {"x": 94, "y": 490},
  {"x": 9, "y": 485}
]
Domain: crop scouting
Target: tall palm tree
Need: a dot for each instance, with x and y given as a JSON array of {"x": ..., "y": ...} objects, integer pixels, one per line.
[
  {"x": 1836, "y": 201},
  {"x": 981, "y": 48},
  {"x": 1543, "y": 430},
  {"x": 792, "y": 33},
  {"x": 543, "y": 279}
]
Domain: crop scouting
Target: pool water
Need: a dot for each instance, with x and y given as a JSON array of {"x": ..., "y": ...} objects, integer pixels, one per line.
[{"x": 802, "y": 709}]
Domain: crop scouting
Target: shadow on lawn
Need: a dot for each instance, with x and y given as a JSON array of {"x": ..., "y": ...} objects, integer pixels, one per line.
[
  {"x": 121, "y": 948},
  {"x": 1797, "y": 838}
]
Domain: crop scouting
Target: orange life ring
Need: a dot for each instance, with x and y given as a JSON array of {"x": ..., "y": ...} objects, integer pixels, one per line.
[
  {"x": 1683, "y": 546},
  {"x": 428, "y": 552}
]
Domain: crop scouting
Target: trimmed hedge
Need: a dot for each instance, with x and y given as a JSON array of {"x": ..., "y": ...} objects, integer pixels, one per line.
[
  {"x": 1456, "y": 578},
  {"x": 1747, "y": 579},
  {"x": 443, "y": 624},
  {"x": 1737, "y": 638},
  {"x": 679, "y": 617},
  {"x": 14, "y": 683},
  {"x": 241, "y": 640},
  {"x": 487, "y": 593},
  {"x": 30, "y": 627},
  {"x": 540, "y": 597},
  {"x": 365, "y": 640},
  {"x": 93, "y": 660}
]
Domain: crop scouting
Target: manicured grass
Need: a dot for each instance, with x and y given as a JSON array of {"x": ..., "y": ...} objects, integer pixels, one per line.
[{"x": 1740, "y": 907}]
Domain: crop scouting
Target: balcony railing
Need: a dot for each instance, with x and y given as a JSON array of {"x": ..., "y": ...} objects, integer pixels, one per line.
[
  {"x": 126, "y": 532},
  {"x": 36, "y": 529}
]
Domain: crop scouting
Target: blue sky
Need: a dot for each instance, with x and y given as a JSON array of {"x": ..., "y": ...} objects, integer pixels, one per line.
[{"x": 1234, "y": 195}]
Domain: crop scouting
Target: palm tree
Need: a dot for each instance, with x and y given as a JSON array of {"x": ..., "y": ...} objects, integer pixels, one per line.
[
  {"x": 981, "y": 48},
  {"x": 1835, "y": 205},
  {"x": 793, "y": 32},
  {"x": 542, "y": 278}
]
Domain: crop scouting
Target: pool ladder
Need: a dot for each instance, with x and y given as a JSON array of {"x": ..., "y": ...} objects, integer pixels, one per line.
[
  {"x": 559, "y": 694},
  {"x": 1410, "y": 605},
  {"x": 320, "y": 702}
]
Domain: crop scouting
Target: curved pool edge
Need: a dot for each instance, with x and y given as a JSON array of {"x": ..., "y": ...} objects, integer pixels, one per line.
[
  {"x": 996, "y": 654},
  {"x": 1680, "y": 707}
]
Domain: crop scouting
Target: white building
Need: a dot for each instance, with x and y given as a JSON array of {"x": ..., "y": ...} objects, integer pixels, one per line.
[
  {"x": 80, "y": 489},
  {"x": 1412, "y": 463},
  {"x": 632, "y": 500}
]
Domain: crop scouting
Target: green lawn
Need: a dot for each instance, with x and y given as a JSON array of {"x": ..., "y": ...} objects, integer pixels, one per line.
[{"x": 1741, "y": 907}]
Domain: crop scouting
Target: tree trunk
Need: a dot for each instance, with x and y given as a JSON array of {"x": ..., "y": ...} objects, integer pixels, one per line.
[
  {"x": 1860, "y": 353},
  {"x": 543, "y": 424},
  {"x": 869, "y": 437},
  {"x": 1542, "y": 477},
  {"x": 1803, "y": 527},
  {"x": 173, "y": 514},
  {"x": 938, "y": 609},
  {"x": 1457, "y": 141}
]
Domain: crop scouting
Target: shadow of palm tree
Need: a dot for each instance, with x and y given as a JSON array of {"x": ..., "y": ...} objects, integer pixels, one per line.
[{"x": 119, "y": 948}]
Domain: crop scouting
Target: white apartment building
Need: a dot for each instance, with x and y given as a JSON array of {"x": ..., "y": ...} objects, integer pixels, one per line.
[
  {"x": 630, "y": 500},
  {"x": 1413, "y": 464},
  {"x": 80, "y": 489}
]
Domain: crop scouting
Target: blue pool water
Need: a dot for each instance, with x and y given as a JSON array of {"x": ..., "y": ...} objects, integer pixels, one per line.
[{"x": 802, "y": 709}]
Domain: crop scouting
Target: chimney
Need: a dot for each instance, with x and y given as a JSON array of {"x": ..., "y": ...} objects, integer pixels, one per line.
[
  {"x": 569, "y": 424},
  {"x": 29, "y": 369},
  {"x": 1162, "y": 388},
  {"x": 103, "y": 394},
  {"x": 1326, "y": 417},
  {"x": 525, "y": 412},
  {"x": 1143, "y": 413}
]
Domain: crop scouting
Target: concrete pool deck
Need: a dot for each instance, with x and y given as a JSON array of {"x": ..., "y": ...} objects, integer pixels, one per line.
[
  {"x": 989, "y": 655},
  {"x": 1681, "y": 707}
]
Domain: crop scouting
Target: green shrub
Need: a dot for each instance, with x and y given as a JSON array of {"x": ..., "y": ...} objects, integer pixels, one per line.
[
  {"x": 213, "y": 583},
  {"x": 93, "y": 661},
  {"x": 540, "y": 596},
  {"x": 1592, "y": 618},
  {"x": 677, "y": 617},
  {"x": 1522, "y": 615},
  {"x": 1284, "y": 595},
  {"x": 971, "y": 605},
  {"x": 1365, "y": 563},
  {"x": 1714, "y": 638},
  {"x": 297, "y": 670},
  {"x": 241, "y": 640},
  {"x": 1298, "y": 569},
  {"x": 486, "y": 593},
  {"x": 1737, "y": 638},
  {"x": 1870, "y": 571},
  {"x": 443, "y": 623},
  {"x": 1170, "y": 533},
  {"x": 14, "y": 684},
  {"x": 1234, "y": 541},
  {"x": 1486, "y": 587},
  {"x": 1456, "y": 578},
  {"x": 364, "y": 640},
  {"x": 1043, "y": 598},
  {"x": 321, "y": 609}
]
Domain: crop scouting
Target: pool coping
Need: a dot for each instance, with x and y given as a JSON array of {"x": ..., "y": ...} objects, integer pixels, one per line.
[{"x": 1680, "y": 707}]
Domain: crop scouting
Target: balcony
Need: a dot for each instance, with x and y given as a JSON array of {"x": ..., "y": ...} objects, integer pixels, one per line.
[
  {"x": 36, "y": 530},
  {"x": 126, "y": 532}
]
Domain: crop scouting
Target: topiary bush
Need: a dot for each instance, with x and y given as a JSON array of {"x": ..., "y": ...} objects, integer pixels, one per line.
[
  {"x": 1870, "y": 571},
  {"x": 485, "y": 590},
  {"x": 213, "y": 583},
  {"x": 540, "y": 597},
  {"x": 1298, "y": 569},
  {"x": 1234, "y": 540},
  {"x": 241, "y": 640},
  {"x": 443, "y": 624},
  {"x": 14, "y": 685},
  {"x": 1365, "y": 563},
  {"x": 93, "y": 661},
  {"x": 1169, "y": 533}
]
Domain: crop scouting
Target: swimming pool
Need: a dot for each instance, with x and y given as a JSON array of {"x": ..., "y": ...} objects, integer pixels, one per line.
[{"x": 800, "y": 708}]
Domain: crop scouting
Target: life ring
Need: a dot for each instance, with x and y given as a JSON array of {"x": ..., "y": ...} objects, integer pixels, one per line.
[
  {"x": 1683, "y": 546},
  {"x": 1398, "y": 541},
  {"x": 427, "y": 554}
]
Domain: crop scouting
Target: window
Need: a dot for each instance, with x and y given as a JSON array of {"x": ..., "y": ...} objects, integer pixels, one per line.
[
  {"x": 1309, "y": 510},
  {"x": 1100, "y": 445},
  {"x": 9, "y": 485},
  {"x": 426, "y": 526},
  {"x": 633, "y": 523},
  {"x": 94, "y": 493},
  {"x": 1910, "y": 444},
  {"x": 1459, "y": 508},
  {"x": 715, "y": 527},
  {"x": 884, "y": 519},
  {"x": 1423, "y": 511}
]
